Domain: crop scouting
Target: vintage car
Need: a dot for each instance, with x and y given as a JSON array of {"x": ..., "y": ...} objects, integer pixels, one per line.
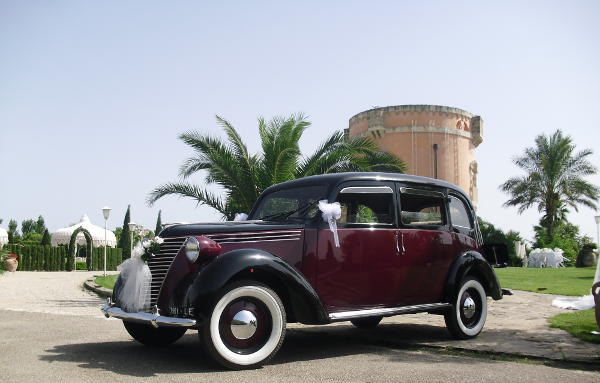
[{"x": 407, "y": 244}]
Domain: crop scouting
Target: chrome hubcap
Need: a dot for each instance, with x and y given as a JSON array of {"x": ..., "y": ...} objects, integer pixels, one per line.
[
  {"x": 244, "y": 324},
  {"x": 469, "y": 308}
]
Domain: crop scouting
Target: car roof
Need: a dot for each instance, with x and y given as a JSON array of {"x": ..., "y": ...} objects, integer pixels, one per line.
[{"x": 337, "y": 178}]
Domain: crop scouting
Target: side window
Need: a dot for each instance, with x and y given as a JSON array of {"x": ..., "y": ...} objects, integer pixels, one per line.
[
  {"x": 422, "y": 207},
  {"x": 366, "y": 205},
  {"x": 458, "y": 214}
]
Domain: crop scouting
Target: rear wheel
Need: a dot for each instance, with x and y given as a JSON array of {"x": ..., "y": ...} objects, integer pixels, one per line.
[
  {"x": 366, "y": 322},
  {"x": 467, "y": 317},
  {"x": 246, "y": 327},
  {"x": 151, "y": 336}
]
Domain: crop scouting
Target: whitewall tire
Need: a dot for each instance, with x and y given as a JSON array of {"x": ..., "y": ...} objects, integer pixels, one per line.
[
  {"x": 467, "y": 317},
  {"x": 246, "y": 327}
]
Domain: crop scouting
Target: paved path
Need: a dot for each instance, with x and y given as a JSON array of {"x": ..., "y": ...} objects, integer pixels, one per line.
[{"x": 515, "y": 325}]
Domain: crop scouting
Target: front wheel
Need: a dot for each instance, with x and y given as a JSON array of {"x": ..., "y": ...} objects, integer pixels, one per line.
[
  {"x": 150, "y": 336},
  {"x": 467, "y": 317},
  {"x": 246, "y": 327}
]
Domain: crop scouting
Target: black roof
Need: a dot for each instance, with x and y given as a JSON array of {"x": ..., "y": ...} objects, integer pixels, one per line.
[{"x": 337, "y": 178}]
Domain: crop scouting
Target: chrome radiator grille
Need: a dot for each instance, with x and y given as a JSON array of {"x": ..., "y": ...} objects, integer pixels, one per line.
[{"x": 160, "y": 263}]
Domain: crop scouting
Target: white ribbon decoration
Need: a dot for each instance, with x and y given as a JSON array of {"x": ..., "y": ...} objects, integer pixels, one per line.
[
  {"x": 240, "y": 217},
  {"x": 331, "y": 212},
  {"x": 135, "y": 293}
]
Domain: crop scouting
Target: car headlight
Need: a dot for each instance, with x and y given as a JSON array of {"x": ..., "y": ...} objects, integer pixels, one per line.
[{"x": 192, "y": 249}]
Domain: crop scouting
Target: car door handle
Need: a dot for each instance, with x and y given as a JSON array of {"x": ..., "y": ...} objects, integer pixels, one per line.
[{"x": 397, "y": 244}]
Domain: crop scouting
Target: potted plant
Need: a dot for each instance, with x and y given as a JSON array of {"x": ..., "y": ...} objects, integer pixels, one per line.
[
  {"x": 9, "y": 261},
  {"x": 587, "y": 257}
]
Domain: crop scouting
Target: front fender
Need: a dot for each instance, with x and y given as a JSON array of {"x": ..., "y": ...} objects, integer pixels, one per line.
[
  {"x": 471, "y": 263},
  {"x": 259, "y": 265}
]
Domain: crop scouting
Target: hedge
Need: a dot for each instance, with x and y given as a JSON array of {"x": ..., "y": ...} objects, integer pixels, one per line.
[{"x": 48, "y": 258}]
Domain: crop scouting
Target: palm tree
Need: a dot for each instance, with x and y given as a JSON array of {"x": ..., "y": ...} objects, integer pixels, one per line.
[
  {"x": 554, "y": 179},
  {"x": 244, "y": 176}
]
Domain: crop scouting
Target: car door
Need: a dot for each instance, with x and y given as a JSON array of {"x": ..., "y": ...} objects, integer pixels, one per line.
[
  {"x": 427, "y": 247},
  {"x": 363, "y": 271}
]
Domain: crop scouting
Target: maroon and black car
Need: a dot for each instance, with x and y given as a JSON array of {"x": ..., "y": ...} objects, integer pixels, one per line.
[{"x": 407, "y": 244}]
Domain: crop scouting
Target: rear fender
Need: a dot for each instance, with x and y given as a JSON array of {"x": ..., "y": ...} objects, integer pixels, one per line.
[{"x": 471, "y": 263}]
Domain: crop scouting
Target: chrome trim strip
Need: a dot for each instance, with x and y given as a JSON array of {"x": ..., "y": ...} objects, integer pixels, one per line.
[
  {"x": 262, "y": 240},
  {"x": 280, "y": 232},
  {"x": 154, "y": 319},
  {"x": 368, "y": 189},
  {"x": 387, "y": 312},
  {"x": 266, "y": 236}
]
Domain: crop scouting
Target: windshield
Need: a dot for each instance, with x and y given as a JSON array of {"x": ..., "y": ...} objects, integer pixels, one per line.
[{"x": 300, "y": 202}]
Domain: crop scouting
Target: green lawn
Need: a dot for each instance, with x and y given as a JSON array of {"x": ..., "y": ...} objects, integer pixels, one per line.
[
  {"x": 578, "y": 323},
  {"x": 108, "y": 281},
  {"x": 563, "y": 281},
  {"x": 575, "y": 281}
]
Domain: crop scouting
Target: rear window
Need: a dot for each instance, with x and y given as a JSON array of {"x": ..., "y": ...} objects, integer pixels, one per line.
[
  {"x": 422, "y": 207},
  {"x": 458, "y": 213}
]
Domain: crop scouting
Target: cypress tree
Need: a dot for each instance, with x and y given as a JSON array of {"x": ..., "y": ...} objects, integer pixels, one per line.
[
  {"x": 70, "y": 260},
  {"x": 46, "y": 238},
  {"x": 40, "y": 251},
  {"x": 61, "y": 256},
  {"x": 125, "y": 240},
  {"x": 158, "y": 223},
  {"x": 47, "y": 262},
  {"x": 23, "y": 260}
]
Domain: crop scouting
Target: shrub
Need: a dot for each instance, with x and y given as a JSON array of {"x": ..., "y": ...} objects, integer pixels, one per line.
[{"x": 81, "y": 266}]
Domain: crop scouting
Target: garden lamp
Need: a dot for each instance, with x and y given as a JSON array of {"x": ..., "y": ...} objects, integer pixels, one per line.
[
  {"x": 106, "y": 213},
  {"x": 132, "y": 226}
]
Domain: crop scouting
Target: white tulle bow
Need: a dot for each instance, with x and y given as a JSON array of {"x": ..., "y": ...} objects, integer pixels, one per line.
[
  {"x": 331, "y": 212},
  {"x": 240, "y": 217},
  {"x": 136, "y": 276}
]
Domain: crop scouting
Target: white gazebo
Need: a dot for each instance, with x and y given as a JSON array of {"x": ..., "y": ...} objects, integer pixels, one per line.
[
  {"x": 3, "y": 237},
  {"x": 63, "y": 236}
]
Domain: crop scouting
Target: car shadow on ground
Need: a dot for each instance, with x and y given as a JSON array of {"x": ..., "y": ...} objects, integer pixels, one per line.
[{"x": 187, "y": 355}]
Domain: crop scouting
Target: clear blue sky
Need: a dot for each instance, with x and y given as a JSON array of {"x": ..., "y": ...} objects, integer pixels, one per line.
[{"x": 94, "y": 94}]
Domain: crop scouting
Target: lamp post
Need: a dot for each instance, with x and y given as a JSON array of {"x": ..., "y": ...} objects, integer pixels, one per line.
[
  {"x": 598, "y": 229},
  {"x": 132, "y": 226},
  {"x": 106, "y": 213}
]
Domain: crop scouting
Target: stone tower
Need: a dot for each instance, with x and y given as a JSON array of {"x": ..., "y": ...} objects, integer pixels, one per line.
[{"x": 434, "y": 141}]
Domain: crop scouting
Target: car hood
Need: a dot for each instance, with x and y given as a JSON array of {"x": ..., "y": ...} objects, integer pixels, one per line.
[{"x": 176, "y": 230}]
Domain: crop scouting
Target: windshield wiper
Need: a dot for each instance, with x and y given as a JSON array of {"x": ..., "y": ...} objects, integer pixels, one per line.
[{"x": 286, "y": 214}]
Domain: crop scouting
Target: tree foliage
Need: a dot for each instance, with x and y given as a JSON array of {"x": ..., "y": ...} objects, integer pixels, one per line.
[
  {"x": 158, "y": 223},
  {"x": 30, "y": 226},
  {"x": 12, "y": 225},
  {"x": 46, "y": 240},
  {"x": 244, "y": 176},
  {"x": 125, "y": 239},
  {"x": 554, "y": 179},
  {"x": 491, "y": 234},
  {"x": 566, "y": 237},
  {"x": 27, "y": 226}
]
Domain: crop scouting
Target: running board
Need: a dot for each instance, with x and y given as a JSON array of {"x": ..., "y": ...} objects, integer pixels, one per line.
[{"x": 387, "y": 312}]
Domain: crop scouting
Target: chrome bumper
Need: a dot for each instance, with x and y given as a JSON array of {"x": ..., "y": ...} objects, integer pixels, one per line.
[{"x": 154, "y": 318}]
